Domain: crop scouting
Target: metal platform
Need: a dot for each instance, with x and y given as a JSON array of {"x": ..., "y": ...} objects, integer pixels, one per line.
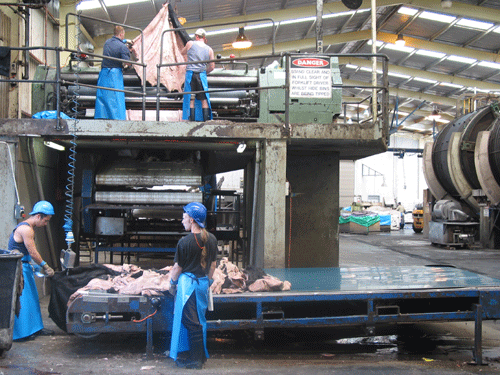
[{"x": 336, "y": 297}]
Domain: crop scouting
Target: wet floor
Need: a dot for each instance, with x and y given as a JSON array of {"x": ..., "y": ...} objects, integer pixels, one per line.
[{"x": 425, "y": 348}]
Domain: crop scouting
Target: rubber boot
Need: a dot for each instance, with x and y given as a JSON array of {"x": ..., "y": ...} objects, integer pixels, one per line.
[
  {"x": 191, "y": 115},
  {"x": 197, "y": 351},
  {"x": 206, "y": 114}
]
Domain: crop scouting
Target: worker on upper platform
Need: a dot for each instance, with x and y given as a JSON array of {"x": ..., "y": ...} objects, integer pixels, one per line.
[
  {"x": 110, "y": 104},
  {"x": 194, "y": 265},
  {"x": 196, "y": 78},
  {"x": 28, "y": 323}
]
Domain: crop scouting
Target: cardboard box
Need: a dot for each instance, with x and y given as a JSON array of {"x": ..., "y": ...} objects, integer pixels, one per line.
[{"x": 358, "y": 229}]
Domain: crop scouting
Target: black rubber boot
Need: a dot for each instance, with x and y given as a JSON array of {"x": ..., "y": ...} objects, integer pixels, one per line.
[
  {"x": 196, "y": 352},
  {"x": 191, "y": 115},
  {"x": 206, "y": 114}
]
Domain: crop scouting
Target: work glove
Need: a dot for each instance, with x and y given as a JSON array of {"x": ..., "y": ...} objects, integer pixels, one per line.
[{"x": 48, "y": 270}]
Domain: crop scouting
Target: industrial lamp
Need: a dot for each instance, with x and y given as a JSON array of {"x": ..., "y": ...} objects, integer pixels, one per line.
[
  {"x": 242, "y": 41},
  {"x": 434, "y": 115},
  {"x": 241, "y": 147},
  {"x": 400, "y": 41},
  {"x": 446, "y": 4}
]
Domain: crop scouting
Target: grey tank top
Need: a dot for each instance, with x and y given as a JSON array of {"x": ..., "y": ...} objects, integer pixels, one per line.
[{"x": 198, "y": 53}]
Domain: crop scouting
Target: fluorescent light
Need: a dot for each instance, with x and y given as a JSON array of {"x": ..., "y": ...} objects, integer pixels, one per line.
[
  {"x": 436, "y": 17},
  {"x": 425, "y": 80},
  {"x": 398, "y": 75},
  {"x": 350, "y": 66},
  {"x": 474, "y": 24},
  {"x": 407, "y": 11},
  {"x": 489, "y": 64},
  {"x": 93, "y": 4},
  {"x": 424, "y": 52},
  {"x": 465, "y": 60},
  {"x": 453, "y": 85},
  {"x": 55, "y": 146}
]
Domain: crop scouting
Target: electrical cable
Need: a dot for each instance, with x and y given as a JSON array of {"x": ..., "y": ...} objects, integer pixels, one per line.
[{"x": 143, "y": 319}]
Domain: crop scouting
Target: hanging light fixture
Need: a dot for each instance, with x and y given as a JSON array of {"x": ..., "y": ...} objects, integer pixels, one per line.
[
  {"x": 242, "y": 41},
  {"x": 400, "y": 41},
  {"x": 241, "y": 147},
  {"x": 434, "y": 115}
]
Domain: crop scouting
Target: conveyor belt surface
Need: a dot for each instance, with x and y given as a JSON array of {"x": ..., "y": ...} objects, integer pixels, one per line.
[{"x": 380, "y": 278}]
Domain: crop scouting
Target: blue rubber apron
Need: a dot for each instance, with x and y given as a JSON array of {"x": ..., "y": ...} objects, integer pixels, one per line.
[
  {"x": 29, "y": 320},
  {"x": 198, "y": 111},
  {"x": 110, "y": 104},
  {"x": 188, "y": 284}
]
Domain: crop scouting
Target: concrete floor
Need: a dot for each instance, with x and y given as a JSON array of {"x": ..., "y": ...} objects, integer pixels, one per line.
[{"x": 425, "y": 348}]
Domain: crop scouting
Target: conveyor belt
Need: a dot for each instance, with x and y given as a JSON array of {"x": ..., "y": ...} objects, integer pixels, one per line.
[{"x": 357, "y": 296}]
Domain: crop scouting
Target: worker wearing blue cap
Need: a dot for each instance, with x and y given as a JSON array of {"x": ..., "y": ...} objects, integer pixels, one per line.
[
  {"x": 194, "y": 265},
  {"x": 28, "y": 323}
]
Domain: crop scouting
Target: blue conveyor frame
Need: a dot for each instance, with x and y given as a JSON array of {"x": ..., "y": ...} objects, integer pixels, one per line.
[{"x": 324, "y": 308}]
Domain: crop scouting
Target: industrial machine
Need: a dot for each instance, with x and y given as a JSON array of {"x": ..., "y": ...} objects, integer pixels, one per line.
[
  {"x": 237, "y": 93},
  {"x": 461, "y": 168}
]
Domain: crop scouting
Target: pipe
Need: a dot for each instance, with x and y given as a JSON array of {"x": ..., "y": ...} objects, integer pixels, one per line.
[
  {"x": 374, "y": 61},
  {"x": 254, "y": 203},
  {"x": 36, "y": 176}
]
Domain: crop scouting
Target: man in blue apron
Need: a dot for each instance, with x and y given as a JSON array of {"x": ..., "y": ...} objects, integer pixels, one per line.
[
  {"x": 111, "y": 104},
  {"x": 196, "y": 107},
  {"x": 28, "y": 323},
  {"x": 194, "y": 265}
]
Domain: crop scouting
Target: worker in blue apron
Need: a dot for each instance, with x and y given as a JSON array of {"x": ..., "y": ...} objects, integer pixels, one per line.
[
  {"x": 196, "y": 107},
  {"x": 194, "y": 265},
  {"x": 110, "y": 104},
  {"x": 28, "y": 323}
]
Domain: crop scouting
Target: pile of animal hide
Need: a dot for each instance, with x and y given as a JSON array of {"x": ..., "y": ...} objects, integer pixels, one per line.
[{"x": 228, "y": 279}]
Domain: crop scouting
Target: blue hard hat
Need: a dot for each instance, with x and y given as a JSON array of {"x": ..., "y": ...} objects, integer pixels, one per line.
[
  {"x": 42, "y": 207},
  {"x": 198, "y": 212}
]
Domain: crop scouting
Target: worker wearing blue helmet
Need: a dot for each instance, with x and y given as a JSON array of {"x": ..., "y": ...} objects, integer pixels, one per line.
[
  {"x": 194, "y": 265},
  {"x": 28, "y": 323}
]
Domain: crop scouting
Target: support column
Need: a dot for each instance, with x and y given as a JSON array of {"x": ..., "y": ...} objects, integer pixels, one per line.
[
  {"x": 8, "y": 197},
  {"x": 314, "y": 182},
  {"x": 270, "y": 211}
]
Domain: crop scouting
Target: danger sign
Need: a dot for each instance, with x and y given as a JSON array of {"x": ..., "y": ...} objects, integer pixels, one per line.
[{"x": 310, "y": 77}]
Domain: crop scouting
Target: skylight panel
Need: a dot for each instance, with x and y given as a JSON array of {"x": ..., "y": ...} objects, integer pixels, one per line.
[
  {"x": 465, "y": 60},
  {"x": 489, "y": 64},
  {"x": 424, "y": 52},
  {"x": 379, "y": 43},
  {"x": 474, "y": 24},
  {"x": 350, "y": 66},
  {"x": 408, "y": 11},
  {"x": 93, "y": 4},
  {"x": 436, "y": 17}
]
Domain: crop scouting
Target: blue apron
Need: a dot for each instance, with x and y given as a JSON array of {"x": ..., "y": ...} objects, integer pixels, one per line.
[
  {"x": 29, "y": 320},
  {"x": 198, "y": 111},
  {"x": 188, "y": 284},
  {"x": 110, "y": 104}
]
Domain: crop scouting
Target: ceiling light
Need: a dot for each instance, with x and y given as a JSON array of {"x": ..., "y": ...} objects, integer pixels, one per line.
[
  {"x": 242, "y": 41},
  {"x": 446, "y": 3},
  {"x": 434, "y": 115},
  {"x": 400, "y": 41},
  {"x": 55, "y": 146},
  {"x": 241, "y": 147}
]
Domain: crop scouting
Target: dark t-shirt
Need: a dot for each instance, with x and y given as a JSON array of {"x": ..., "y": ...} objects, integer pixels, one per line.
[
  {"x": 188, "y": 253},
  {"x": 114, "y": 47}
]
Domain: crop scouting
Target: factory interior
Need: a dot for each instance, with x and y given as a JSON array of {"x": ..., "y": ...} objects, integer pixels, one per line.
[{"x": 334, "y": 114}]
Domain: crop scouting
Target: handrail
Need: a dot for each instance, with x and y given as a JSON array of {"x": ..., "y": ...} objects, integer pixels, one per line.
[{"x": 128, "y": 61}]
